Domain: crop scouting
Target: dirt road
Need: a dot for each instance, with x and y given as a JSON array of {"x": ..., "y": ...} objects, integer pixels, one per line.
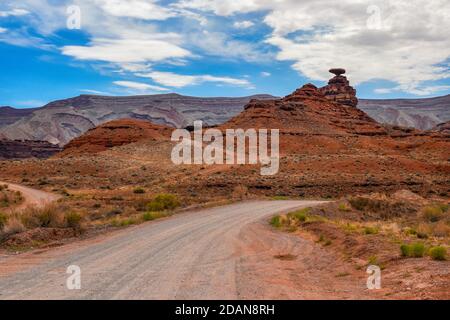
[
  {"x": 33, "y": 197},
  {"x": 219, "y": 253}
]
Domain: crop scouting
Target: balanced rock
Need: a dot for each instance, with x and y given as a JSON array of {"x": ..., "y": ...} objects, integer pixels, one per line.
[{"x": 339, "y": 89}]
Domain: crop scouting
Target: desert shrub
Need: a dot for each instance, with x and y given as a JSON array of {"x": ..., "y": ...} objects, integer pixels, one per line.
[
  {"x": 385, "y": 208},
  {"x": 405, "y": 250},
  {"x": 370, "y": 230},
  {"x": 123, "y": 223},
  {"x": 444, "y": 207},
  {"x": 432, "y": 213},
  {"x": 441, "y": 229},
  {"x": 343, "y": 207},
  {"x": 415, "y": 250},
  {"x": 48, "y": 216},
  {"x": 13, "y": 226},
  {"x": 300, "y": 215},
  {"x": 359, "y": 203},
  {"x": 276, "y": 221},
  {"x": 373, "y": 261},
  {"x": 438, "y": 253},
  {"x": 139, "y": 190},
  {"x": 150, "y": 216},
  {"x": 3, "y": 220},
  {"x": 410, "y": 232},
  {"x": 422, "y": 235},
  {"x": 127, "y": 222},
  {"x": 418, "y": 250},
  {"x": 163, "y": 202},
  {"x": 73, "y": 220}
]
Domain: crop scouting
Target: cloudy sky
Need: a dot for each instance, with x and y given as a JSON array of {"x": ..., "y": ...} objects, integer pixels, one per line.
[{"x": 54, "y": 49}]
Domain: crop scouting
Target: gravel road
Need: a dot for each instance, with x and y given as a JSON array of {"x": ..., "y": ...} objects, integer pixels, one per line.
[
  {"x": 192, "y": 255},
  {"x": 33, "y": 197}
]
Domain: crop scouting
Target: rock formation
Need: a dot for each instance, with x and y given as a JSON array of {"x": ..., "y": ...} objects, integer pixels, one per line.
[
  {"x": 115, "y": 133},
  {"x": 339, "y": 89},
  {"x": 61, "y": 121},
  {"x": 22, "y": 149},
  {"x": 307, "y": 111}
]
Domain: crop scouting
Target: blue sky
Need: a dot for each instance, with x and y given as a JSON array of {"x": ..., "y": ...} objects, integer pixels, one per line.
[{"x": 58, "y": 49}]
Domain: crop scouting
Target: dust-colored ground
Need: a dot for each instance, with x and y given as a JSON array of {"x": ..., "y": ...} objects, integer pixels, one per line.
[{"x": 374, "y": 233}]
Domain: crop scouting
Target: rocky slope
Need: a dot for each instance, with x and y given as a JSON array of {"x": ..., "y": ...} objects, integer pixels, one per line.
[
  {"x": 61, "y": 121},
  {"x": 9, "y": 115},
  {"x": 443, "y": 128},
  {"x": 422, "y": 114},
  {"x": 115, "y": 133},
  {"x": 22, "y": 149}
]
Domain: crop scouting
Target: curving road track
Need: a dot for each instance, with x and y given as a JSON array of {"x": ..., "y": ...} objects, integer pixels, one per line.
[{"x": 194, "y": 255}]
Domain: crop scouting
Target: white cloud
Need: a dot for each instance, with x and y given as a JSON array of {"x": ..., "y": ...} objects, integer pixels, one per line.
[
  {"x": 265, "y": 74},
  {"x": 142, "y": 9},
  {"x": 126, "y": 50},
  {"x": 401, "y": 41},
  {"x": 14, "y": 13},
  {"x": 243, "y": 24},
  {"x": 2, "y": 30},
  {"x": 178, "y": 81},
  {"x": 220, "y": 44},
  {"x": 139, "y": 86}
]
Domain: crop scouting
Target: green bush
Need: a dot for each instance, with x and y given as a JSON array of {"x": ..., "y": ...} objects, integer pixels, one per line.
[
  {"x": 3, "y": 220},
  {"x": 127, "y": 222},
  {"x": 300, "y": 215},
  {"x": 139, "y": 191},
  {"x": 438, "y": 253},
  {"x": 370, "y": 230},
  {"x": 405, "y": 250},
  {"x": 343, "y": 207},
  {"x": 149, "y": 216},
  {"x": 432, "y": 213},
  {"x": 418, "y": 250},
  {"x": 163, "y": 202},
  {"x": 415, "y": 250},
  {"x": 276, "y": 221},
  {"x": 73, "y": 220}
]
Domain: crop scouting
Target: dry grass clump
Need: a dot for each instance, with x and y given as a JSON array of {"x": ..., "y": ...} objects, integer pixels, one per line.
[
  {"x": 384, "y": 206},
  {"x": 9, "y": 198},
  {"x": 49, "y": 216},
  {"x": 163, "y": 202}
]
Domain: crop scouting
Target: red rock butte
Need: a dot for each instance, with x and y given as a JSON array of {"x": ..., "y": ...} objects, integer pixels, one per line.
[{"x": 339, "y": 89}]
